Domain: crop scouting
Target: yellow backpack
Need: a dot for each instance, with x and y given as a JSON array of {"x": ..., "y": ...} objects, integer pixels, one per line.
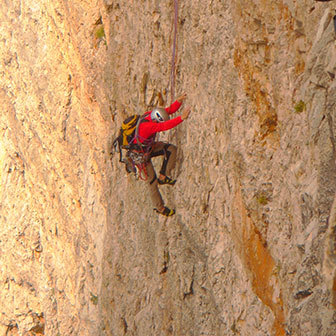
[
  {"x": 127, "y": 130},
  {"x": 127, "y": 135}
]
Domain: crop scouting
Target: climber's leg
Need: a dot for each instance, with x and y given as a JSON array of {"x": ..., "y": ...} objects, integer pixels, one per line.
[
  {"x": 169, "y": 161},
  {"x": 152, "y": 183}
]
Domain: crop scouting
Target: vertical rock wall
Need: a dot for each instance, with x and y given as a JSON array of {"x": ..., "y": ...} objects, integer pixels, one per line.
[
  {"x": 53, "y": 150},
  {"x": 251, "y": 249}
]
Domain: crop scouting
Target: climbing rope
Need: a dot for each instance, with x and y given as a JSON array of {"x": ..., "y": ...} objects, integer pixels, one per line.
[{"x": 173, "y": 60}]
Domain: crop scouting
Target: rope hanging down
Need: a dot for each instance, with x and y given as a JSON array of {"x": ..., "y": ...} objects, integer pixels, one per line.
[{"x": 173, "y": 61}]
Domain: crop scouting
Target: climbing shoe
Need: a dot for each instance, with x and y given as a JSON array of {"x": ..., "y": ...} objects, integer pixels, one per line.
[
  {"x": 167, "y": 180},
  {"x": 166, "y": 212}
]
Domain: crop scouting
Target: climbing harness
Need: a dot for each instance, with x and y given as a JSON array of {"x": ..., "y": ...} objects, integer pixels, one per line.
[{"x": 139, "y": 158}]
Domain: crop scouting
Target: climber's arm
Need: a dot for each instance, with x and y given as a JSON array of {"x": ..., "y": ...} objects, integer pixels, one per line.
[
  {"x": 173, "y": 107},
  {"x": 166, "y": 125},
  {"x": 177, "y": 104},
  {"x": 150, "y": 128}
]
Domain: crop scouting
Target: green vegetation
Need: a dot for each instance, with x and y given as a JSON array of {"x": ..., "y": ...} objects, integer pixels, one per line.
[
  {"x": 100, "y": 32},
  {"x": 262, "y": 199},
  {"x": 94, "y": 299},
  {"x": 300, "y": 106}
]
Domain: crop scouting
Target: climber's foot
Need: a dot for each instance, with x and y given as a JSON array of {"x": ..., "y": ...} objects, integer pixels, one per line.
[
  {"x": 165, "y": 211},
  {"x": 166, "y": 180}
]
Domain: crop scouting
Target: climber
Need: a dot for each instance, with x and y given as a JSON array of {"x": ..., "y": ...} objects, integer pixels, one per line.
[{"x": 153, "y": 122}]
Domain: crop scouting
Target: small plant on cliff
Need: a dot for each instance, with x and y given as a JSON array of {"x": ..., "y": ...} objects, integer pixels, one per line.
[
  {"x": 100, "y": 32},
  {"x": 262, "y": 199},
  {"x": 300, "y": 106},
  {"x": 99, "y": 35},
  {"x": 94, "y": 299}
]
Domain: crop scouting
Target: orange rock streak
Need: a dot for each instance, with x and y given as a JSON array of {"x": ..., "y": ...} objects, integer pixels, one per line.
[{"x": 259, "y": 263}]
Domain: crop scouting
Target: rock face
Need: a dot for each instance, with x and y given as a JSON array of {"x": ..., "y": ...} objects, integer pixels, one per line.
[{"x": 251, "y": 249}]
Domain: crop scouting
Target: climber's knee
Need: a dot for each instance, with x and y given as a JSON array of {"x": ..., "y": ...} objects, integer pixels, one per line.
[{"x": 170, "y": 148}]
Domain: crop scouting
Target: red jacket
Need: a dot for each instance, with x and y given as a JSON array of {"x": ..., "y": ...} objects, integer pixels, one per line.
[{"x": 150, "y": 128}]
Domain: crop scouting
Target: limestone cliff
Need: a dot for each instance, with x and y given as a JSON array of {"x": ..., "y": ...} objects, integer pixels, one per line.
[{"x": 251, "y": 249}]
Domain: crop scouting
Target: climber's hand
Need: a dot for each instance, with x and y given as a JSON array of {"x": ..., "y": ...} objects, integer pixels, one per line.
[
  {"x": 185, "y": 113},
  {"x": 182, "y": 97}
]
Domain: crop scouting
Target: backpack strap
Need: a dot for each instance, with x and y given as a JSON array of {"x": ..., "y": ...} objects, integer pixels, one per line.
[
  {"x": 142, "y": 118},
  {"x": 143, "y": 145}
]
